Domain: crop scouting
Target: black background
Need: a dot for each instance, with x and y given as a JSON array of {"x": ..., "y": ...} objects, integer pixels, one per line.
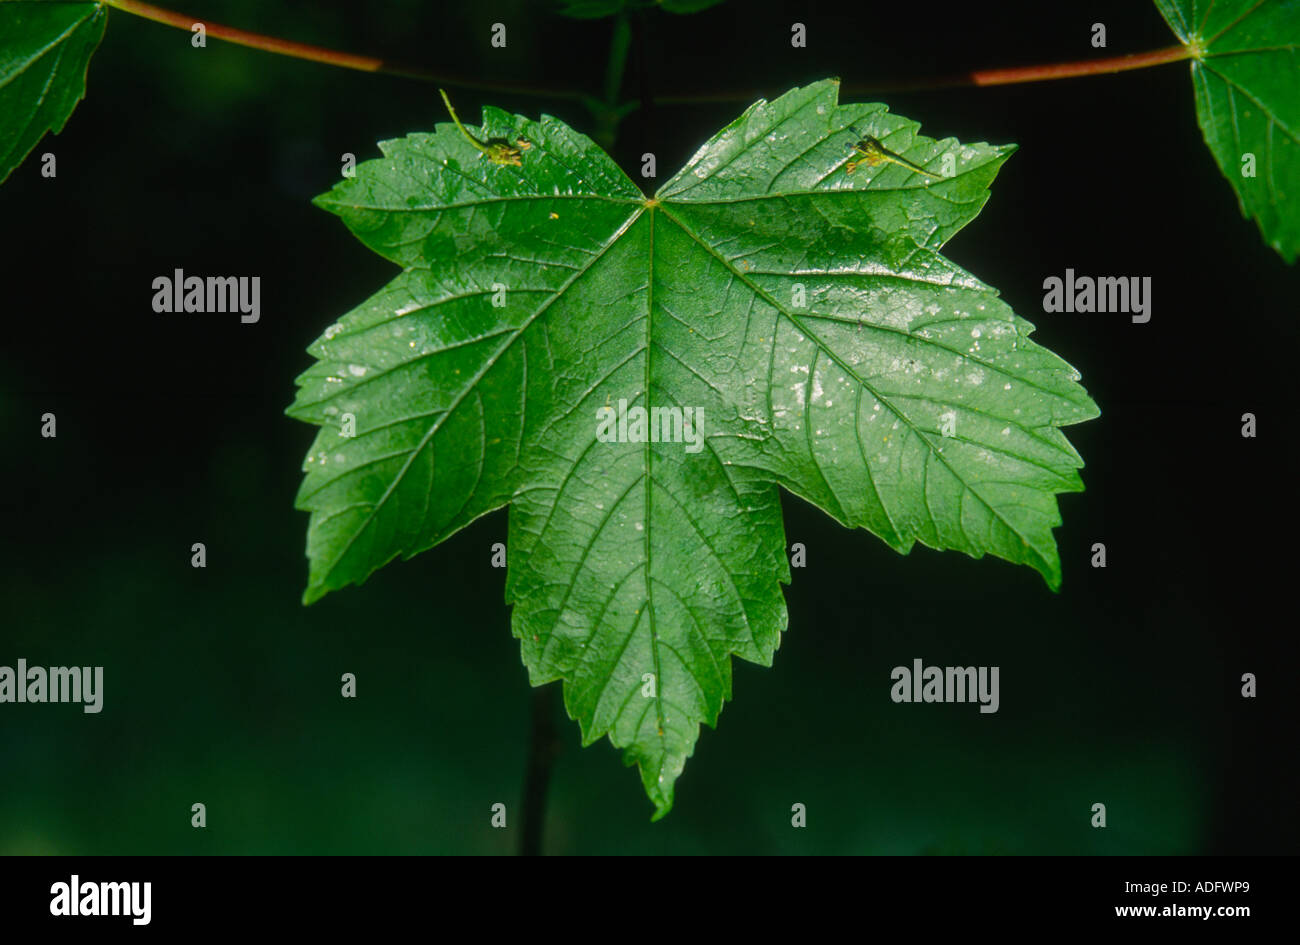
[{"x": 1123, "y": 688}]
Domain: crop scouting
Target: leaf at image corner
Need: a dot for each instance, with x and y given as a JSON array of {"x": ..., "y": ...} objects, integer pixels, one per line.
[
  {"x": 1246, "y": 76},
  {"x": 45, "y": 51}
]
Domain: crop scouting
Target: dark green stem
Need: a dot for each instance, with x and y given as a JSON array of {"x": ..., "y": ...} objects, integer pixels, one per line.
[
  {"x": 618, "y": 47},
  {"x": 607, "y": 111},
  {"x": 543, "y": 746}
]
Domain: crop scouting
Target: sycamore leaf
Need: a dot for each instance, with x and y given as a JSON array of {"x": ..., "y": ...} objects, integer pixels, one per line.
[
  {"x": 787, "y": 323},
  {"x": 45, "y": 50},
  {"x": 1246, "y": 74}
]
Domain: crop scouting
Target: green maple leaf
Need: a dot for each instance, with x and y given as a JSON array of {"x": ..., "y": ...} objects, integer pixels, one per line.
[
  {"x": 803, "y": 314},
  {"x": 45, "y": 50},
  {"x": 1246, "y": 73}
]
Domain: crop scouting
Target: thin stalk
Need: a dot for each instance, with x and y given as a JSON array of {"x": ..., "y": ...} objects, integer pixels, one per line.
[
  {"x": 1070, "y": 70},
  {"x": 980, "y": 78},
  {"x": 607, "y": 111},
  {"x": 618, "y": 46},
  {"x": 330, "y": 57},
  {"x": 618, "y": 58},
  {"x": 543, "y": 746}
]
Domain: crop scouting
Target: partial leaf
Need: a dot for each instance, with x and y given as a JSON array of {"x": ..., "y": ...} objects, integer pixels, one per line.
[
  {"x": 805, "y": 318},
  {"x": 1246, "y": 74},
  {"x": 45, "y": 50}
]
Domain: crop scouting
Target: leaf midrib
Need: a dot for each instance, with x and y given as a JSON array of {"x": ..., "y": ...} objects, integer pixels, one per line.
[
  {"x": 40, "y": 54},
  {"x": 648, "y": 454},
  {"x": 1241, "y": 90},
  {"x": 1231, "y": 26},
  {"x": 511, "y": 198}
]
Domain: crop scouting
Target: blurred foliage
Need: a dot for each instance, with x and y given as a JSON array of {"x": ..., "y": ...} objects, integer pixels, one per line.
[{"x": 593, "y": 9}]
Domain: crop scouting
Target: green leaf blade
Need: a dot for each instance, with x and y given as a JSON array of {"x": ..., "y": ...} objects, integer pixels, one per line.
[
  {"x": 45, "y": 53},
  {"x": 430, "y": 367},
  {"x": 640, "y": 564},
  {"x": 1246, "y": 78}
]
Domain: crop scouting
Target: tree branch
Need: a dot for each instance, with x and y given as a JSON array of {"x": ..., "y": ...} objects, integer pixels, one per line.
[
  {"x": 979, "y": 78},
  {"x": 330, "y": 57}
]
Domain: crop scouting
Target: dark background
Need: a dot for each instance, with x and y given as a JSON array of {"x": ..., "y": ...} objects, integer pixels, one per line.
[{"x": 220, "y": 687}]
